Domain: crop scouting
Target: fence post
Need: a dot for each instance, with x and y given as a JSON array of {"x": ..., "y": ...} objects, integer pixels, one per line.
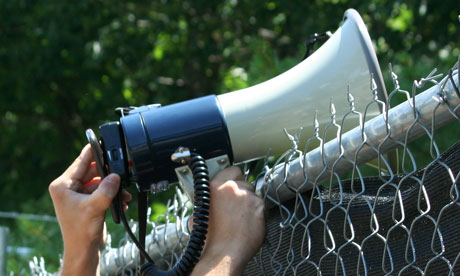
[{"x": 4, "y": 231}]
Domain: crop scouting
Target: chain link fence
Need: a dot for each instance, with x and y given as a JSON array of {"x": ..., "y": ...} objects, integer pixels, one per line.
[{"x": 369, "y": 202}]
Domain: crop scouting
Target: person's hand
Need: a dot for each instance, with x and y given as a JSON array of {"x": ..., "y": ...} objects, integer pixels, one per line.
[
  {"x": 236, "y": 225},
  {"x": 80, "y": 200}
]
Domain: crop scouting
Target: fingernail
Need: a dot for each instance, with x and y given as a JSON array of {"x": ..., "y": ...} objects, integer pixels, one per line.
[{"x": 112, "y": 178}]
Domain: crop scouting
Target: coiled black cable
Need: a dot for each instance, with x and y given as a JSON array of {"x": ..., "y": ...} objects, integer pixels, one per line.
[{"x": 200, "y": 216}]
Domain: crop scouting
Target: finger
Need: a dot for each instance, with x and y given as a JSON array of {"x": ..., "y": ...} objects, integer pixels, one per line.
[
  {"x": 126, "y": 196},
  {"x": 245, "y": 185},
  {"x": 80, "y": 166},
  {"x": 90, "y": 173},
  {"x": 92, "y": 185},
  {"x": 62, "y": 186},
  {"x": 230, "y": 173},
  {"x": 239, "y": 176},
  {"x": 102, "y": 197}
]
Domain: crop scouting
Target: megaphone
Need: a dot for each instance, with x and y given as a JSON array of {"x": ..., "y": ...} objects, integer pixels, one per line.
[
  {"x": 241, "y": 125},
  {"x": 244, "y": 124}
]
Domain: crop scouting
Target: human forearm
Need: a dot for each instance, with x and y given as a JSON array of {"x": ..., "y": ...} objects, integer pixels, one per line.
[
  {"x": 80, "y": 260},
  {"x": 81, "y": 198},
  {"x": 224, "y": 265}
]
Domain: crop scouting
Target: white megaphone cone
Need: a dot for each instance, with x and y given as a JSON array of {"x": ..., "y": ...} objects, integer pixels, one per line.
[{"x": 256, "y": 116}]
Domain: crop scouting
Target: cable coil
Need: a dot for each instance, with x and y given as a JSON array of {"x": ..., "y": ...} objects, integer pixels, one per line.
[{"x": 200, "y": 216}]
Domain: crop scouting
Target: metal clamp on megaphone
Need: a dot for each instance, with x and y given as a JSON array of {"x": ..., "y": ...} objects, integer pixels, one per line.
[{"x": 239, "y": 126}]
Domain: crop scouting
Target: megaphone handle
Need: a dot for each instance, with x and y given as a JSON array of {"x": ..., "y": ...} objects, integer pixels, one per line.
[{"x": 97, "y": 156}]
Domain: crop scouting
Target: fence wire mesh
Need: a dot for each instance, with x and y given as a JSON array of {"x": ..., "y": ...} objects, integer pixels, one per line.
[
  {"x": 334, "y": 211},
  {"x": 328, "y": 222}
]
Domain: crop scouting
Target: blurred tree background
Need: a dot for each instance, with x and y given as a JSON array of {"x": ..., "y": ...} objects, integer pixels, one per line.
[{"x": 64, "y": 67}]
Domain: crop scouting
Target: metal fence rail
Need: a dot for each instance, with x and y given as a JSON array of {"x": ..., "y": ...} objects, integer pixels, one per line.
[
  {"x": 325, "y": 216},
  {"x": 389, "y": 224},
  {"x": 397, "y": 126}
]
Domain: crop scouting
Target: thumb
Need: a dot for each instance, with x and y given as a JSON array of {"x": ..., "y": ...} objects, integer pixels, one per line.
[{"x": 102, "y": 197}]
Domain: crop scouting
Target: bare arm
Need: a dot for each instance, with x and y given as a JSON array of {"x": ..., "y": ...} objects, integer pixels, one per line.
[{"x": 80, "y": 200}]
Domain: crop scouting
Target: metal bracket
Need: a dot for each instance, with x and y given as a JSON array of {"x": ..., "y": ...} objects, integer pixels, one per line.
[{"x": 184, "y": 174}]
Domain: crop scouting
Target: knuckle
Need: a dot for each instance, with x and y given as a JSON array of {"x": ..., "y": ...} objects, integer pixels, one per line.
[
  {"x": 55, "y": 188},
  {"x": 52, "y": 189},
  {"x": 235, "y": 172},
  {"x": 230, "y": 173},
  {"x": 216, "y": 182},
  {"x": 229, "y": 187}
]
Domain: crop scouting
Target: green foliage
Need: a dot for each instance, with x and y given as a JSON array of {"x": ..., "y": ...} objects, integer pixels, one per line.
[
  {"x": 65, "y": 66},
  {"x": 402, "y": 18}
]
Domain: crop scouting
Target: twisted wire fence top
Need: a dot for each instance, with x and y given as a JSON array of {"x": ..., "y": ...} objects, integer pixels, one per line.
[
  {"x": 369, "y": 202},
  {"x": 332, "y": 216}
]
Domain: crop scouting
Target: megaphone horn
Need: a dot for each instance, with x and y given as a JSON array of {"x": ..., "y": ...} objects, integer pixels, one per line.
[
  {"x": 257, "y": 115},
  {"x": 244, "y": 124}
]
